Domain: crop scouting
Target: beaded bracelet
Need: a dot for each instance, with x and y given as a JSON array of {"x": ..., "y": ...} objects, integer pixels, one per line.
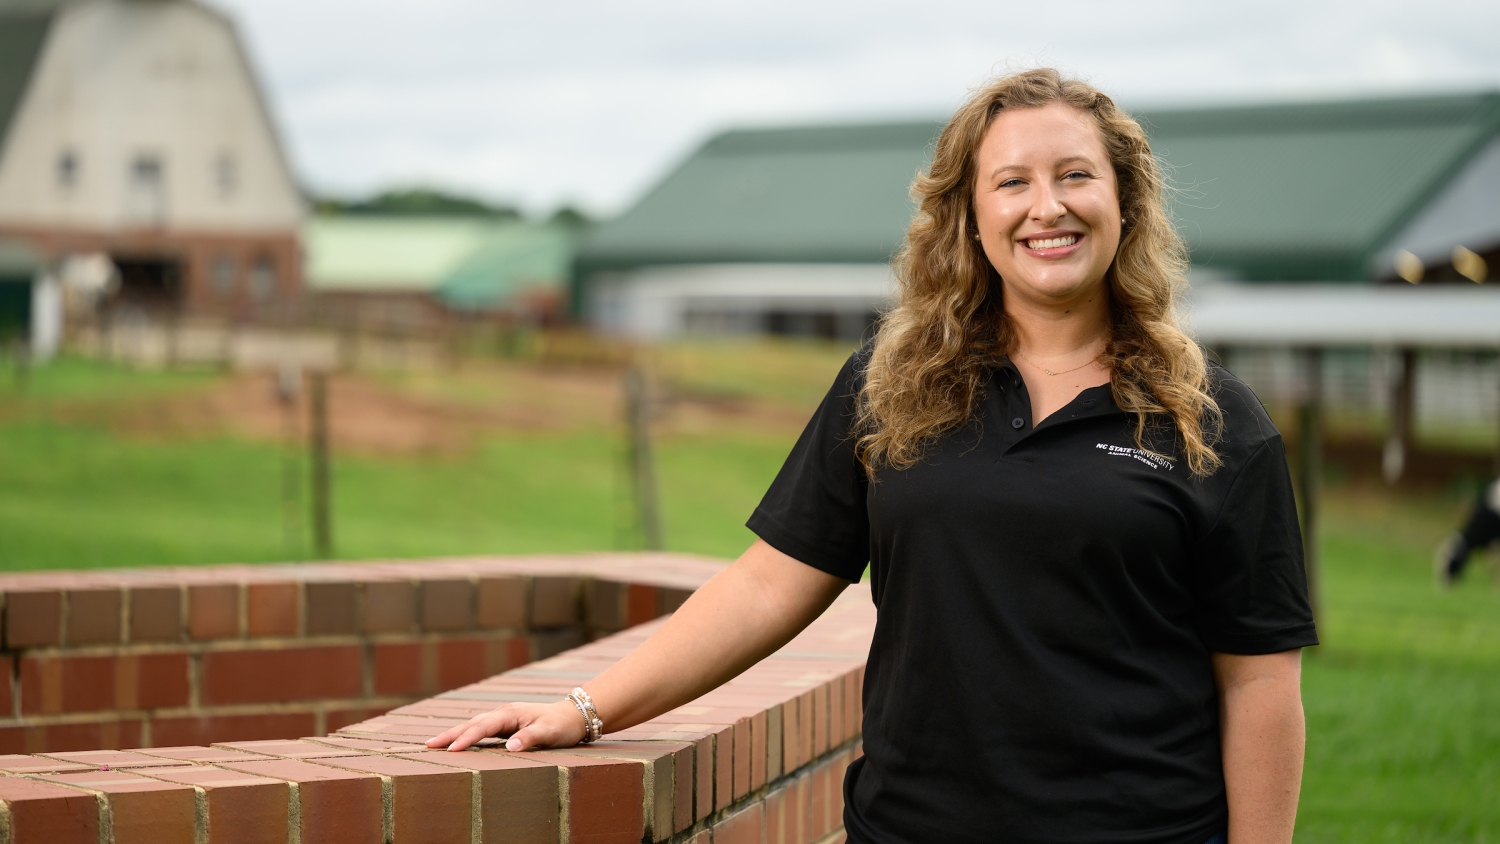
[
  {"x": 587, "y": 733},
  {"x": 593, "y": 726}
]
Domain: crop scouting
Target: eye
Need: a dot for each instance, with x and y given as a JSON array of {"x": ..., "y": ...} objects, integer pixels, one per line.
[
  {"x": 1078, "y": 175},
  {"x": 1010, "y": 183}
]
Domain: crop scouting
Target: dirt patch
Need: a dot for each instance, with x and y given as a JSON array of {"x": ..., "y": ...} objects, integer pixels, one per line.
[{"x": 444, "y": 413}]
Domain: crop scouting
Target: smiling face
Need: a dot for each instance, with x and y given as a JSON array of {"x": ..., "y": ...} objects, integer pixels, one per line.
[{"x": 1046, "y": 204}]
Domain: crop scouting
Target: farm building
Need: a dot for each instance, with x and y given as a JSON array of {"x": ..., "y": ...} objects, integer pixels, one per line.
[
  {"x": 404, "y": 274},
  {"x": 135, "y": 129},
  {"x": 790, "y": 231}
]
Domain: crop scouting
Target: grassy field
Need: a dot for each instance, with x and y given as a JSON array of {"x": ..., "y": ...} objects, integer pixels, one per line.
[{"x": 1403, "y": 699}]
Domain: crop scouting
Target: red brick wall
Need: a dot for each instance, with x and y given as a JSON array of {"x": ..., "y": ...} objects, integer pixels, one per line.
[{"x": 261, "y": 698}]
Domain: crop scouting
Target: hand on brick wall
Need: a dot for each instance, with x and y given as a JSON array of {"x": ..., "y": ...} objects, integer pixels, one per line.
[{"x": 528, "y": 726}]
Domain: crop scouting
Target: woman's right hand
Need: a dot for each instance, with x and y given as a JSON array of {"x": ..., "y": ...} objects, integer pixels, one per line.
[{"x": 530, "y": 726}]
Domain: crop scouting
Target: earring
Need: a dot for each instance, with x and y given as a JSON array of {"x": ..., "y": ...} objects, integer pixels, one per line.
[{"x": 976, "y": 237}]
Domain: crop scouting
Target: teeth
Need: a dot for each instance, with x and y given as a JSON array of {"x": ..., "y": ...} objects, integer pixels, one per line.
[{"x": 1053, "y": 242}]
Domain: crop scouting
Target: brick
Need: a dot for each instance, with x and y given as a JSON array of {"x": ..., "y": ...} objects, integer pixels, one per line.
[
  {"x": 553, "y": 642},
  {"x": 723, "y": 767},
  {"x": 606, "y": 605},
  {"x": 7, "y": 701},
  {"x": 285, "y": 748},
  {"x": 271, "y": 609},
  {"x": 747, "y": 826},
  {"x": 339, "y": 718},
  {"x": 704, "y": 837},
  {"x": 56, "y": 684},
  {"x": 668, "y": 779},
  {"x": 668, "y": 600},
  {"x": 93, "y": 617},
  {"x": 390, "y": 607},
  {"x": 429, "y": 803},
  {"x": 313, "y": 673},
  {"x": 141, "y": 810},
  {"x": 820, "y": 720},
  {"x": 742, "y": 754},
  {"x": 242, "y": 808},
  {"x": 774, "y": 742},
  {"x": 606, "y": 797},
  {"x": 852, "y": 705},
  {"x": 107, "y": 732},
  {"x": 156, "y": 614},
  {"x": 642, "y": 604},
  {"x": 332, "y": 609},
  {"x": 335, "y": 806},
  {"x": 796, "y": 811},
  {"x": 21, "y": 764},
  {"x": 776, "y": 817},
  {"x": 836, "y": 772},
  {"x": 201, "y": 755},
  {"x": 152, "y": 681},
  {"x": 376, "y": 744},
  {"x": 208, "y": 729},
  {"x": 836, "y": 732},
  {"x": 805, "y": 727},
  {"x": 447, "y": 606},
  {"x": 460, "y": 662},
  {"x": 554, "y": 602},
  {"x": 758, "y": 744},
  {"x": 817, "y": 802},
  {"x": 501, "y": 603},
  {"x": 703, "y": 775},
  {"x": 214, "y": 611},
  {"x": 398, "y": 668},
  {"x": 791, "y": 727},
  {"x": 112, "y": 759},
  {"x": 518, "y": 797},
  {"x": 49, "y": 814},
  {"x": 33, "y": 618},
  {"x": 518, "y": 651}
]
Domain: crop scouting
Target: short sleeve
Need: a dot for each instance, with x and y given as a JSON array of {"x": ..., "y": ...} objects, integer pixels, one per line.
[
  {"x": 815, "y": 511},
  {"x": 1250, "y": 587}
]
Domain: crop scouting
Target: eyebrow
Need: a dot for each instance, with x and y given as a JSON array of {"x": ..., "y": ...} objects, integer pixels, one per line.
[{"x": 1071, "y": 159}]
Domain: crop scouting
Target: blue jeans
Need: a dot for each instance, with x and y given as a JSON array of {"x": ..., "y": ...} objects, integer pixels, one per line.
[{"x": 1221, "y": 838}]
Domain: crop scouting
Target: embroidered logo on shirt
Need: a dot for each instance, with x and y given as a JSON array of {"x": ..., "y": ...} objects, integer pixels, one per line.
[{"x": 1151, "y": 460}]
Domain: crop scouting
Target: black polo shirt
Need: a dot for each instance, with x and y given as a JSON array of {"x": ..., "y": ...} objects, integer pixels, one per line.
[{"x": 1047, "y": 601}]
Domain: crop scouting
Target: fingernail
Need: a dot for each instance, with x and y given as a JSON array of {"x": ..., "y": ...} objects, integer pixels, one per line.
[{"x": 513, "y": 744}]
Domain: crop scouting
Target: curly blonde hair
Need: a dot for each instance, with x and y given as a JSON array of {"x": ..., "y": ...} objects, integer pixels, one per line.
[{"x": 934, "y": 349}]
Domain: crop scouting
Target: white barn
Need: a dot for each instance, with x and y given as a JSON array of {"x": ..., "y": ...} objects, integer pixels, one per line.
[{"x": 136, "y": 129}]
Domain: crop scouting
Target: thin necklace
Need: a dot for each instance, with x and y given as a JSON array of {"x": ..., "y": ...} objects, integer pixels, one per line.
[{"x": 1050, "y": 372}]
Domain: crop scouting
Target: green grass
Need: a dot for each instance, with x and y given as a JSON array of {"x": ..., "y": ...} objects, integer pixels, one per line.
[
  {"x": 1403, "y": 698},
  {"x": 81, "y": 497}
]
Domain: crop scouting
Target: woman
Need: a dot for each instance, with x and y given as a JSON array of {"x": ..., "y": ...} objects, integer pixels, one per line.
[{"x": 1081, "y": 537}]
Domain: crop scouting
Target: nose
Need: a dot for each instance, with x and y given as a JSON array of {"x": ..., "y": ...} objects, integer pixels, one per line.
[{"x": 1046, "y": 205}]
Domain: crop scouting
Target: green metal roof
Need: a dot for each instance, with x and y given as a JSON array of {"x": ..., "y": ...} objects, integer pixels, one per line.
[
  {"x": 1298, "y": 191},
  {"x": 1312, "y": 191},
  {"x": 468, "y": 262},
  {"x": 814, "y": 194}
]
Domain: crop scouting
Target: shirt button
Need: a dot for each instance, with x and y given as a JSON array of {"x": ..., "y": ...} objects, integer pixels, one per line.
[{"x": 1018, "y": 423}]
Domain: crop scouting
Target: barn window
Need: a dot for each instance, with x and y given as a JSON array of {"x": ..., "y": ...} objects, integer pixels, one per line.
[
  {"x": 226, "y": 175},
  {"x": 262, "y": 279},
  {"x": 146, "y": 170},
  {"x": 67, "y": 169},
  {"x": 221, "y": 272}
]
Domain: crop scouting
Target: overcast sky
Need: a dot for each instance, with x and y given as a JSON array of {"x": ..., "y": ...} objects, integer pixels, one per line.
[{"x": 589, "y": 103}]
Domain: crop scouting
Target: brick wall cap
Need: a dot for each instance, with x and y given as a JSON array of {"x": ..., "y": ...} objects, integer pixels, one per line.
[{"x": 114, "y": 782}]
